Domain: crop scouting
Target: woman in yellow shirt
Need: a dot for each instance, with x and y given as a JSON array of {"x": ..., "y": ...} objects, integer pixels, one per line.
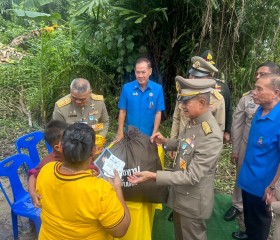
[{"x": 75, "y": 203}]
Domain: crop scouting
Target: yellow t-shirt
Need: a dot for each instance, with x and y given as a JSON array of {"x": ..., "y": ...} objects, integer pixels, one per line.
[{"x": 77, "y": 206}]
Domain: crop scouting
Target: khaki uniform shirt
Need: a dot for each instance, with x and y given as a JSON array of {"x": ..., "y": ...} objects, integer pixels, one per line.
[
  {"x": 192, "y": 180},
  {"x": 217, "y": 107},
  {"x": 241, "y": 124},
  {"x": 94, "y": 113}
]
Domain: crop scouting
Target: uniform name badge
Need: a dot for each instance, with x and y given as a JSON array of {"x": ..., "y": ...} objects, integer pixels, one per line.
[
  {"x": 97, "y": 127},
  {"x": 73, "y": 114}
]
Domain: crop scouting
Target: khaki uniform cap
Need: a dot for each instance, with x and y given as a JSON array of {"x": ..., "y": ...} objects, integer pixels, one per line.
[
  {"x": 189, "y": 88},
  {"x": 201, "y": 68}
]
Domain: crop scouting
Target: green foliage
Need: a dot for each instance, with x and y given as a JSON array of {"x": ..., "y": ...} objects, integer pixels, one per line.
[
  {"x": 16, "y": 88},
  {"x": 53, "y": 55},
  {"x": 35, "y": 3},
  {"x": 5, "y": 5},
  {"x": 37, "y": 73},
  {"x": 38, "y": 16},
  {"x": 241, "y": 36},
  {"x": 225, "y": 173},
  {"x": 9, "y": 30},
  {"x": 41, "y": 10},
  {"x": 104, "y": 38},
  {"x": 92, "y": 7},
  {"x": 137, "y": 16}
]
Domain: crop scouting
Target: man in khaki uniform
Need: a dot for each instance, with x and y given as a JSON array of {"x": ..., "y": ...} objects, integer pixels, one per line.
[
  {"x": 222, "y": 87},
  {"x": 191, "y": 194},
  {"x": 200, "y": 69},
  {"x": 81, "y": 105},
  {"x": 241, "y": 125}
]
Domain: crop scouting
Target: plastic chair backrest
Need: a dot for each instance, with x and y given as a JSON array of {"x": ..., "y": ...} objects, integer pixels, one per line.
[
  {"x": 9, "y": 168},
  {"x": 30, "y": 142},
  {"x": 22, "y": 204}
]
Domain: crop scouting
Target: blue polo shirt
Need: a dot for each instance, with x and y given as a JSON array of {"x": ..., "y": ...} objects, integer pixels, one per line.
[
  {"x": 263, "y": 152},
  {"x": 141, "y": 107}
]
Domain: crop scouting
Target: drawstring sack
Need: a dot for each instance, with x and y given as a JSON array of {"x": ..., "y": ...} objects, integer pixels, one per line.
[{"x": 139, "y": 154}]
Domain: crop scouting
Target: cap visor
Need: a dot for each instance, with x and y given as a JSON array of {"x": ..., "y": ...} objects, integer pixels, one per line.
[
  {"x": 185, "y": 99},
  {"x": 197, "y": 74}
]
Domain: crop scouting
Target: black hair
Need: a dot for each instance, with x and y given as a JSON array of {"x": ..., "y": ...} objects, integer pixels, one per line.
[
  {"x": 54, "y": 131},
  {"x": 274, "y": 68},
  {"x": 77, "y": 142},
  {"x": 143, "y": 59},
  {"x": 205, "y": 96}
]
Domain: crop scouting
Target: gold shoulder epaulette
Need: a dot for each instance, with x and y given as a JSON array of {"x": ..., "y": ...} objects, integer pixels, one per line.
[
  {"x": 97, "y": 97},
  {"x": 246, "y": 93},
  {"x": 63, "y": 102},
  {"x": 206, "y": 128},
  {"x": 217, "y": 94}
]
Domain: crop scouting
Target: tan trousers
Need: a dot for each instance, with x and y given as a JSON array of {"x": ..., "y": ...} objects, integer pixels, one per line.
[
  {"x": 237, "y": 193},
  {"x": 188, "y": 228}
]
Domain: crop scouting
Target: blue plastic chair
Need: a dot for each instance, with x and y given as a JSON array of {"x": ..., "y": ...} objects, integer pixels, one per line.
[
  {"x": 30, "y": 142},
  {"x": 22, "y": 204}
]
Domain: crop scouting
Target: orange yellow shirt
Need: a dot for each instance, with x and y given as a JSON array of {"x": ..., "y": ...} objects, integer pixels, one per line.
[{"x": 76, "y": 206}]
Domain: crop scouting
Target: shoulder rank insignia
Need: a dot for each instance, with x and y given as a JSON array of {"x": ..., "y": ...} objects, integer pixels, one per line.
[
  {"x": 217, "y": 94},
  {"x": 206, "y": 128},
  {"x": 246, "y": 93},
  {"x": 97, "y": 97},
  {"x": 63, "y": 102},
  {"x": 218, "y": 87}
]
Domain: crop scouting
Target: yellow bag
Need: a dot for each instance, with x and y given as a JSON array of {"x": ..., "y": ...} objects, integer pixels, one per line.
[
  {"x": 161, "y": 155},
  {"x": 99, "y": 142}
]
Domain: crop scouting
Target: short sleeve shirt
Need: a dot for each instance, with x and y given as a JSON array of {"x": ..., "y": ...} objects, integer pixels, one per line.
[
  {"x": 141, "y": 106},
  {"x": 76, "y": 206},
  {"x": 263, "y": 152}
]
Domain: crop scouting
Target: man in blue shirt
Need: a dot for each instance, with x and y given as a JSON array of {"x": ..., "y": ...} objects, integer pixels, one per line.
[
  {"x": 260, "y": 169},
  {"x": 141, "y": 102}
]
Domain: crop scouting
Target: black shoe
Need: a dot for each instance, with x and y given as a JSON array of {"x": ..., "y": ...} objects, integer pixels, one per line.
[
  {"x": 170, "y": 217},
  {"x": 239, "y": 235},
  {"x": 231, "y": 213}
]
